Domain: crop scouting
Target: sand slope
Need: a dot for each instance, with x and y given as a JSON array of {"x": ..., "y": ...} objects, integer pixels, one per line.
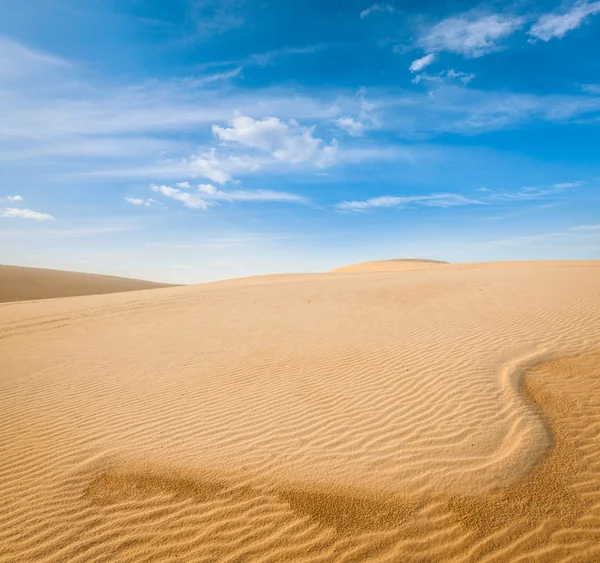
[
  {"x": 432, "y": 415},
  {"x": 18, "y": 283},
  {"x": 393, "y": 265}
]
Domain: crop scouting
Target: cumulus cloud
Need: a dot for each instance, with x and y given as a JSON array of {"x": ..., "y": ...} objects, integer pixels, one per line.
[
  {"x": 470, "y": 36},
  {"x": 189, "y": 200},
  {"x": 559, "y": 24},
  {"x": 184, "y": 185},
  {"x": 14, "y": 212},
  {"x": 433, "y": 200},
  {"x": 420, "y": 64},
  {"x": 377, "y": 8},
  {"x": 14, "y": 198},
  {"x": 287, "y": 142}
]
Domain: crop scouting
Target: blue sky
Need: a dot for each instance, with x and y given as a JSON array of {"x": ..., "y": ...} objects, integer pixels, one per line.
[{"x": 193, "y": 140}]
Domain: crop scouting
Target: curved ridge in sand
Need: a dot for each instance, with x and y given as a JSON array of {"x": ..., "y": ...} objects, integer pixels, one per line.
[
  {"x": 317, "y": 418},
  {"x": 19, "y": 283},
  {"x": 393, "y": 265}
]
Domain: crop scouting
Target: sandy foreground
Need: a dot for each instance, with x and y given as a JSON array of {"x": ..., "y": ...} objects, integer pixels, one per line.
[
  {"x": 443, "y": 413},
  {"x": 18, "y": 283}
]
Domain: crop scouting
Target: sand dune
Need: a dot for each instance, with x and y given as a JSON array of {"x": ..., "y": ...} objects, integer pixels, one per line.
[
  {"x": 442, "y": 414},
  {"x": 393, "y": 265},
  {"x": 19, "y": 283}
]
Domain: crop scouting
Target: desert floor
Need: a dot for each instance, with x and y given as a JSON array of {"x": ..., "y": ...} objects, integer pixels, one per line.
[{"x": 432, "y": 412}]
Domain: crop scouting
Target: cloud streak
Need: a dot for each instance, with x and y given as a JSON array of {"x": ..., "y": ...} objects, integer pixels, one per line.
[
  {"x": 433, "y": 200},
  {"x": 377, "y": 8},
  {"x": 557, "y": 25},
  {"x": 21, "y": 213}
]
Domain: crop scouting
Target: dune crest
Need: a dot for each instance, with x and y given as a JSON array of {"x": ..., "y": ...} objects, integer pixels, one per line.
[
  {"x": 393, "y": 265},
  {"x": 446, "y": 415}
]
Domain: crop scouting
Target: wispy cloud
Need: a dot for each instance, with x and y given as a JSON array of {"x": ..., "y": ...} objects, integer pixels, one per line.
[
  {"x": 450, "y": 74},
  {"x": 189, "y": 200},
  {"x": 537, "y": 192},
  {"x": 209, "y": 19},
  {"x": 451, "y": 199},
  {"x": 20, "y": 213},
  {"x": 363, "y": 118},
  {"x": 210, "y": 192},
  {"x": 17, "y": 59},
  {"x": 14, "y": 198},
  {"x": 375, "y": 8},
  {"x": 269, "y": 57},
  {"x": 558, "y": 24},
  {"x": 470, "y": 35},
  {"x": 433, "y": 200},
  {"x": 207, "y": 195}
]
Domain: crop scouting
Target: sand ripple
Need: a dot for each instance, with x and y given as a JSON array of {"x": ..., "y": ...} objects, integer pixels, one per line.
[{"x": 437, "y": 415}]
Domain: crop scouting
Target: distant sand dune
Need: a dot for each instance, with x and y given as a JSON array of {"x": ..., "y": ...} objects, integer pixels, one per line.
[
  {"x": 19, "y": 283},
  {"x": 393, "y": 265},
  {"x": 446, "y": 414}
]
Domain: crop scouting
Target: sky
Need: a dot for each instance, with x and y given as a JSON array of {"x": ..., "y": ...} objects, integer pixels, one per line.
[{"x": 193, "y": 140}]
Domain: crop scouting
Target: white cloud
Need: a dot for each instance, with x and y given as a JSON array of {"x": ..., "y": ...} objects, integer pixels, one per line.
[
  {"x": 470, "y": 36},
  {"x": 189, "y": 200},
  {"x": 434, "y": 200},
  {"x": 420, "y": 64},
  {"x": 363, "y": 119},
  {"x": 287, "y": 142},
  {"x": 211, "y": 193},
  {"x": 14, "y": 212},
  {"x": 15, "y": 198},
  {"x": 209, "y": 166},
  {"x": 377, "y": 8},
  {"x": 184, "y": 185},
  {"x": 558, "y": 24},
  {"x": 140, "y": 202},
  {"x": 351, "y": 126}
]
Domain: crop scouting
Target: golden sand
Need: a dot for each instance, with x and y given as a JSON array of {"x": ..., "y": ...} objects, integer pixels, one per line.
[
  {"x": 19, "y": 283},
  {"x": 445, "y": 414}
]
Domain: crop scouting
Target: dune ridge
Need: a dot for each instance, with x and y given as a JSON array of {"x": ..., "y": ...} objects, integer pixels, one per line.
[
  {"x": 392, "y": 265},
  {"x": 20, "y": 283},
  {"x": 427, "y": 415}
]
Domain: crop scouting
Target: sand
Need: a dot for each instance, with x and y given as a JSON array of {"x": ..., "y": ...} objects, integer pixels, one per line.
[
  {"x": 442, "y": 414},
  {"x": 18, "y": 283},
  {"x": 393, "y": 265}
]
